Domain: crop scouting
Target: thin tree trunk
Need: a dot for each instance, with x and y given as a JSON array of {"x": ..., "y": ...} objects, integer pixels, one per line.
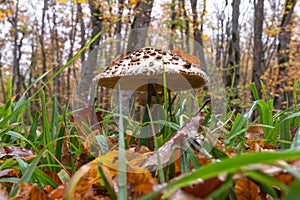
[
  {"x": 96, "y": 18},
  {"x": 44, "y": 56},
  {"x": 173, "y": 25},
  {"x": 234, "y": 49},
  {"x": 16, "y": 57},
  {"x": 141, "y": 19},
  {"x": 72, "y": 35},
  {"x": 82, "y": 33},
  {"x": 2, "y": 81},
  {"x": 187, "y": 27},
  {"x": 198, "y": 50},
  {"x": 283, "y": 56},
  {"x": 196, "y": 25},
  {"x": 258, "y": 53},
  {"x": 119, "y": 26}
]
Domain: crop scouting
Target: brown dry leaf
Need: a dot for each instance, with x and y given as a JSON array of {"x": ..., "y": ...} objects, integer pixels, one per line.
[
  {"x": 285, "y": 178},
  {"x": 189, "y": 130},
  {"x": 59, "y": 192},
  {"x": 16, "y": 152},
  {"x": 137, "y": 177},
  {"x": 27, "y": 191},
  {"x": 48, "y": 189},
  {"x": 3, "y": 192},
  {"x": 182, "y": 195},
  {"x": 11, "y": 172},
  {"x": 258, "y": 145},
  {"x": 203, "y": 188},
  {"x": 53, "y": 176},
  {"x": 88, "y": 194},
  {"x": 255, "y": 131},
  {"x": 188, "y": 57},
  {"x": 246, "y": 190},
  {"x": 143, "y": 188}
]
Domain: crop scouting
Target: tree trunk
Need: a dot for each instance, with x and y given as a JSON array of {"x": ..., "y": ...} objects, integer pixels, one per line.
[
  {"x": 142, "y": 19},
  {"x": 197, "y": 32},
  {"x": 198, "y": 51},
  {"x": 233, "y": 74},
  {"x": 258, "y": 52},
  {"x": 187, "y": 27},
  {"x": 283, "y": 56},
  {"x": 82, "y": 33},
  {"x": 72, "y": 36},
  {"x": 173, "y": 25},
  {"x": 96, "y": 18},
  {"x": 119, "y": 26},
  {"x": 44, "y": 56},
  {"x": 16, "y": 56},
  {"x": 2, "y": 80}
]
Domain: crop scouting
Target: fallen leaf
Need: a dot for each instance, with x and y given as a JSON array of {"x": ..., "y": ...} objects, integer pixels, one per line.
[
  {"x": 59, "y": 192},
  {"x": 27, "y": 191},
  {"x": 202, "y": 188},
  {"x": 11, "y": 172},
  {"x": 182, "y": 195},
  {"x": 16, "y": 152},
  {"x": 246, "y": 189},
  {"x": 285, "y": 178},
  {"x": 53, "y": 176},
  {"x": 189, "y": 130},
  {"x": 3, "y": 192}
]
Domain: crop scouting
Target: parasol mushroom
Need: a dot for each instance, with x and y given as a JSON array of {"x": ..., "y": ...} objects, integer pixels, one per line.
[{"x": 143, "y": 69}]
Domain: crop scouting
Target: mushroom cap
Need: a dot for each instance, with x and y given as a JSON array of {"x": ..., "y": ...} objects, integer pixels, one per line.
[{"x": 147, "y": 65}]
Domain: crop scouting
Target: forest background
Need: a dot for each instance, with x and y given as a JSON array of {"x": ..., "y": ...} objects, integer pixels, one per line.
[{"x": 249, "y": 41}]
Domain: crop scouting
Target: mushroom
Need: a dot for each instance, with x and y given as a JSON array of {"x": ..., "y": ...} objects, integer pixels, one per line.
[{"x": 143, "y": 70}]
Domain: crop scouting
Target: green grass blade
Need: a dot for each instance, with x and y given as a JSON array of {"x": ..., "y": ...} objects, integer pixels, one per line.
[
  {"x": 266, "y": 182},
  {"x": 296, "y": 141},
  {"x": 33, "y": 128},
  {"x": 295, "y": 91},
  {"x": 28, "y": 173},
  {"x": 254, "y": 91},
  {"x": 108, "y": 187},
  {"x": 8, "y": 103},
  {"x": 54, "y": 118},
  {"x": 121, "y": 155},
  {"x": 46, "y": 134},
  {"x": 17, "y": 135},
  {"x": 284, "y": 133}
]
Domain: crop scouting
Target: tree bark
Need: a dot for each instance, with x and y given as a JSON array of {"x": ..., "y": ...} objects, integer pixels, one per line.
[
  {"x": 97, "y": 19},
  {"x": 72, "y": 36},
  {"x": 283, "y": 56},
  {"x": 196, "y": 24},
  {"x": 2, "y": 80},
  {"x": 198, "y": 51},
  {"x": 119, "y": 26},
  {"x": 173, "y": 25},
  {"x": 258, "y": 52},
  {"x": 16, "y": 53},
  {"x": 142, "y": 19},
  {"x": 233, "y": 74},
  {"x": 187, "y": 27},
  {"x": 44, "y": 56}
]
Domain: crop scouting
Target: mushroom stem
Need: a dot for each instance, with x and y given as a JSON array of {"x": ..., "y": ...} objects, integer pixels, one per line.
[{"x": 152, "y": 91}]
